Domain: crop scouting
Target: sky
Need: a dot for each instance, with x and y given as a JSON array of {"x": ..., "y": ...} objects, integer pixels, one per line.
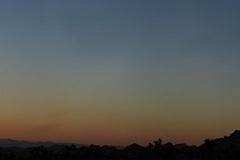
[{"x": 117, "y": 72}]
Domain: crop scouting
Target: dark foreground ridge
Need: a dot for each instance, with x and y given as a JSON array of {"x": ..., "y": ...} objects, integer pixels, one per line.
[{"x": 226, "y": 148}]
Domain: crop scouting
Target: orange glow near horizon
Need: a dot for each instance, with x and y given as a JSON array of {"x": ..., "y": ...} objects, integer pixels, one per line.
[
  {"x": 119, "y": 72},
  {"x": 116, "y": 132}
]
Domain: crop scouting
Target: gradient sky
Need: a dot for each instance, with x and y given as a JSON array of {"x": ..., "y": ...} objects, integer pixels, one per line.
[{"x": 119, "y": 71}]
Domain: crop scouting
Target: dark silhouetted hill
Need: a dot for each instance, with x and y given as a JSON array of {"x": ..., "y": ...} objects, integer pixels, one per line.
[
  {"x": 26, "y": 144},
  {"x": 224, "y": 148}
]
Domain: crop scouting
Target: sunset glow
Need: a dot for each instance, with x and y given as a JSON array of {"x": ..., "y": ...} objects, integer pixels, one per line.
[{"x": 118, "y": 72}]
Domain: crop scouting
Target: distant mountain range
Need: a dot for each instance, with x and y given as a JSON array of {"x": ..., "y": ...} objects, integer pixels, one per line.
[
  {"x": 26, "y": 144},
  {"x": 223, "y": 148}
]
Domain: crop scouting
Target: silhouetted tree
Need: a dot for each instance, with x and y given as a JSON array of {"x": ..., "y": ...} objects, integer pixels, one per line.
[{"x": 225, "y": 148}]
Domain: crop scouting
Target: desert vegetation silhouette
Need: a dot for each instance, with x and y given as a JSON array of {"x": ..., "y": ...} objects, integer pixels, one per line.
[{"x": 225, "y": 148}]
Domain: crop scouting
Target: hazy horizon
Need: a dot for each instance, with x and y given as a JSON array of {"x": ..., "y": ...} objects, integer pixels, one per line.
[
  {"x": 117, "y": 145},
  {"x": 118, "y": 72}
]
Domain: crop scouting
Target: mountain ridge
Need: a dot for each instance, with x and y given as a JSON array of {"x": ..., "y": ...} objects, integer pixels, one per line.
[
  {"x": 8, "y": 142},
  {"x": 222, "y": 148}
]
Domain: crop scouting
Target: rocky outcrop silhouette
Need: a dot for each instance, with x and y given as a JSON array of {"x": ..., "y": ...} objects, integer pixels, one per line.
[{"x": 224, "y": 148}]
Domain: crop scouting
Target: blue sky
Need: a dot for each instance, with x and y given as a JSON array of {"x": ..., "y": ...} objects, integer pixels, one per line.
[{"x": 133, "y": 59}]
